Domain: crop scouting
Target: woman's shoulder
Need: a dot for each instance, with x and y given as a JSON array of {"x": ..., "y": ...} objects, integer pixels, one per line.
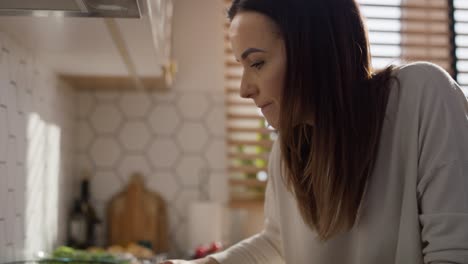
[
  {"x": 424, "y": 79},
  {"x": 421, "y": 70}
]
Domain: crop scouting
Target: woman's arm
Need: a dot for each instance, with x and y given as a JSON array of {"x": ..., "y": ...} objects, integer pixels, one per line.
[
  {"x": 443, "y": 171},
  {"x": 264, "y": 247}
]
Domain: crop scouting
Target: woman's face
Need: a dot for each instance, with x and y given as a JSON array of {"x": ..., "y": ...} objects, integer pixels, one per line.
[{"x": 257, "y": 44}]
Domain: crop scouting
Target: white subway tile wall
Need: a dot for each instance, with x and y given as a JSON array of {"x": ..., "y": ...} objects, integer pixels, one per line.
[
  {"x": 174, "y": 138},
  {"x": 37, "y": 114}
]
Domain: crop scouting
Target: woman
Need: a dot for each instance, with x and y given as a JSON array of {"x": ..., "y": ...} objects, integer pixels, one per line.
[{"x": 369, "y": 167}]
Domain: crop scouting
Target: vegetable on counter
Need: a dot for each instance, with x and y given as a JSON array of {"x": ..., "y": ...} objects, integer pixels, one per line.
[{"x": 73, "y": 256}]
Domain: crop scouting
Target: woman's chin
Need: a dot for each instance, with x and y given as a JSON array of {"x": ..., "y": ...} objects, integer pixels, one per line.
[{"x": 272, "y": 123}]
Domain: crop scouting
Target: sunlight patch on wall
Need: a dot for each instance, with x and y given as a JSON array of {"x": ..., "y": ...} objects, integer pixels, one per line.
[{"x": 42, "y": 184}]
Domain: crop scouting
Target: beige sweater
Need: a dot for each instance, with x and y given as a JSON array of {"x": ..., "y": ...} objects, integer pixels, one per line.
[{"x": 416, "y": 206}]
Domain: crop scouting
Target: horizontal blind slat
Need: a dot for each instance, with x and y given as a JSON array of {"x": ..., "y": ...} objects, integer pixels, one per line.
[
  {"x": 407, "y": 6},
  {"x": 257, "y": 143},
  {"x": 252, "y": 130},
  {"x": 247, "y": 182},
  {"x": 243, "y": 156},
  {"x": 244, "y": 116}
]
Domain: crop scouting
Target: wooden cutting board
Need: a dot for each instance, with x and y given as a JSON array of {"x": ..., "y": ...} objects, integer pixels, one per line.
[{"x": 137, "y": 214}]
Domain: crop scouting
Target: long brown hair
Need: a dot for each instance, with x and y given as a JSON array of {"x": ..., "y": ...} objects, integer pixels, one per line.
[{"x": 332, "y": 107}]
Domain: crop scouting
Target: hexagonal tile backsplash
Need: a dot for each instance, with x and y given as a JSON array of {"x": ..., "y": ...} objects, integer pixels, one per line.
[
  {"x": 164, "y": 119},
  {"x": 134, "y": 136},
  {"x": 174, "y": 138}
]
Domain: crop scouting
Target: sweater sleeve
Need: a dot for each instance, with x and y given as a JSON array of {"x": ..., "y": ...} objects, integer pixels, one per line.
[
  {"x": 443, "y": 170},
  {"x": 265, "y": 247}
]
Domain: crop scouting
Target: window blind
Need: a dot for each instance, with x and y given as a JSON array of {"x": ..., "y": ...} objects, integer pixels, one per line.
[
  {"x": 402, "y": 31},
  {"x": 249, "y": 138},
  {"x": 460, "y": 19}
]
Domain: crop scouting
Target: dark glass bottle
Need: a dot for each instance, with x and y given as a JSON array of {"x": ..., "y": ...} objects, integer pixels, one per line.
[{"x": 82, "y": 221}]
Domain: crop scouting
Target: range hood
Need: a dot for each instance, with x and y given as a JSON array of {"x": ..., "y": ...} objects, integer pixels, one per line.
[{"x": 74, "y": 8}]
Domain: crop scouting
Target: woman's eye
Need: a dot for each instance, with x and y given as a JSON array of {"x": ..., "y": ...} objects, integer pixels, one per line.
[{"x": 257, "y": 65}]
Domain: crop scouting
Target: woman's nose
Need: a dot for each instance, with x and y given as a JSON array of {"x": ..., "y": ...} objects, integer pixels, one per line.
[{"x": 247, "y": 90}]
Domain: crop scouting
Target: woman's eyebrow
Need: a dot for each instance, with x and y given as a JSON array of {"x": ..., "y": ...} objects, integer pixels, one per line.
[{"x": 248, "y": 51}]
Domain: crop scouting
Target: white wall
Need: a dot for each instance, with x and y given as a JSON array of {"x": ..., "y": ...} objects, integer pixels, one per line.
[{"x": 36, "y": 148}]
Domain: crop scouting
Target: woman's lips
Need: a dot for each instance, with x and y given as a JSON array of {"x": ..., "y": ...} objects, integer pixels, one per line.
[{"x": 266, "y": 107}]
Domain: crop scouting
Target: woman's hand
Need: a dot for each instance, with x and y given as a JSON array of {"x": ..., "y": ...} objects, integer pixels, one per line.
[{"x": 198, "y": 261}]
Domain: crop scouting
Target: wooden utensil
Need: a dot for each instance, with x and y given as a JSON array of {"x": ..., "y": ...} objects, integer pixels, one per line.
[{"x": 137, "y": 214}]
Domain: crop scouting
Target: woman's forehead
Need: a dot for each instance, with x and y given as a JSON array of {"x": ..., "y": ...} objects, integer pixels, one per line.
[
  {"x": 251, "y": 23},
  {"x": 251, "y": 28}
]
